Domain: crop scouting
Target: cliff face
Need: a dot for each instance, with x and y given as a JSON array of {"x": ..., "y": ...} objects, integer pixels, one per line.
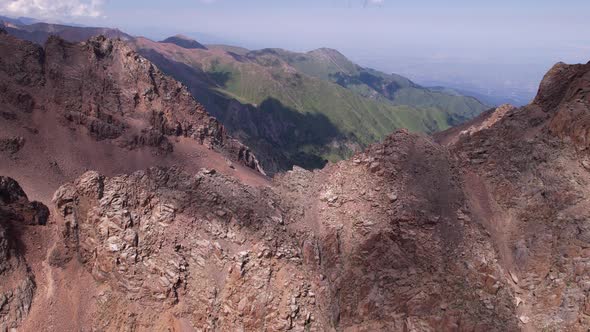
[
  {"x": 204, "y": 248},
  {"x": 18, "y": 285},
  {"x": 527, "y": 177}
]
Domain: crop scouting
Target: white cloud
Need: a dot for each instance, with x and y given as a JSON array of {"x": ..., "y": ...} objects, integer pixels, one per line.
[
  {"x": 52, "y": 8},
  {"x": 373, "y": 2}
]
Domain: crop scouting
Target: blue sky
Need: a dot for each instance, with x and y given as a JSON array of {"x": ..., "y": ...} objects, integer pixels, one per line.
[
  {"x": 499, "y": 43},
  {"x": 305, "y": 24}
]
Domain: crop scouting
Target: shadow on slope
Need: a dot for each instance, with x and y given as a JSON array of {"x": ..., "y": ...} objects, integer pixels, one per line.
[
  {"x": 280, "y": 136},
  {"x": 286, "y": 136}
]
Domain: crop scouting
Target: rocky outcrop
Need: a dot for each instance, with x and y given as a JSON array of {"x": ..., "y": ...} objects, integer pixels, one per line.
[
  {"x": 559, "y": 85},
  {"x": 527, "y": 187},
  {"x": 11, "y": 145},
  {"x": 18, "y": 283},
  {"x": 108, "y": 91},
  {"x": 211, "y": 248},
  {"x": 369, "y": 243},
  {"x": 565, "y": 92}
]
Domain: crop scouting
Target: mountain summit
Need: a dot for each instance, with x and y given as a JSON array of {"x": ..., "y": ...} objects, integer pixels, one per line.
[{"x": 184, "y": 41}]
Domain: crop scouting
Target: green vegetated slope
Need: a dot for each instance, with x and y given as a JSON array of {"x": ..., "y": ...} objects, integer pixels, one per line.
[
  {"x": 331, "y": 65},
  {"x": 304, "y": 109},
  {"x": 354, "y": 115}
]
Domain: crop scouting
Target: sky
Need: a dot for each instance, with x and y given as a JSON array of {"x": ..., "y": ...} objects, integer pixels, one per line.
[{"x": 501, "y": 46}]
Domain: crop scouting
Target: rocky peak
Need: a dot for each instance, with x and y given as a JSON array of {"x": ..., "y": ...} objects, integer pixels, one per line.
[
  {"x": 562, "y": 83},
  {"x": 565, "y": 94},
  {"x": 16, "y": 205},
  {"x": 102, "y": 46},
  {"x": 10, "y": 191}
]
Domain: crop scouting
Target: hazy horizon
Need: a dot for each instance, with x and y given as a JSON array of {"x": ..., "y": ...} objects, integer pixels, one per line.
[{"x": 500, "y": 48}]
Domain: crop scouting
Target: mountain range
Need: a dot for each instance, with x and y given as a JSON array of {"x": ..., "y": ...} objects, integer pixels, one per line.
[
  {"x": 315, "y": 107},
  {"x": 292, "y": 108},
  {"x": 126, "y": 206}
]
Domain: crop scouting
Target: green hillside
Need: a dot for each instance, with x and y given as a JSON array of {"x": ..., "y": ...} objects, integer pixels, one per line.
[
  {"x": 354, "y": 115},
  {"x": 331, "y": 65}
]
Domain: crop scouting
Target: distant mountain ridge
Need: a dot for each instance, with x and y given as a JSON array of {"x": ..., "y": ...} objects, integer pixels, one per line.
[
  {"x": 39, "y": 32},
  {"x": 19, "y": 20}
]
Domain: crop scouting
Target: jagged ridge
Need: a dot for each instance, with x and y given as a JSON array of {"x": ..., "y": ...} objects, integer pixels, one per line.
[{"x": 118, "y": 95}]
